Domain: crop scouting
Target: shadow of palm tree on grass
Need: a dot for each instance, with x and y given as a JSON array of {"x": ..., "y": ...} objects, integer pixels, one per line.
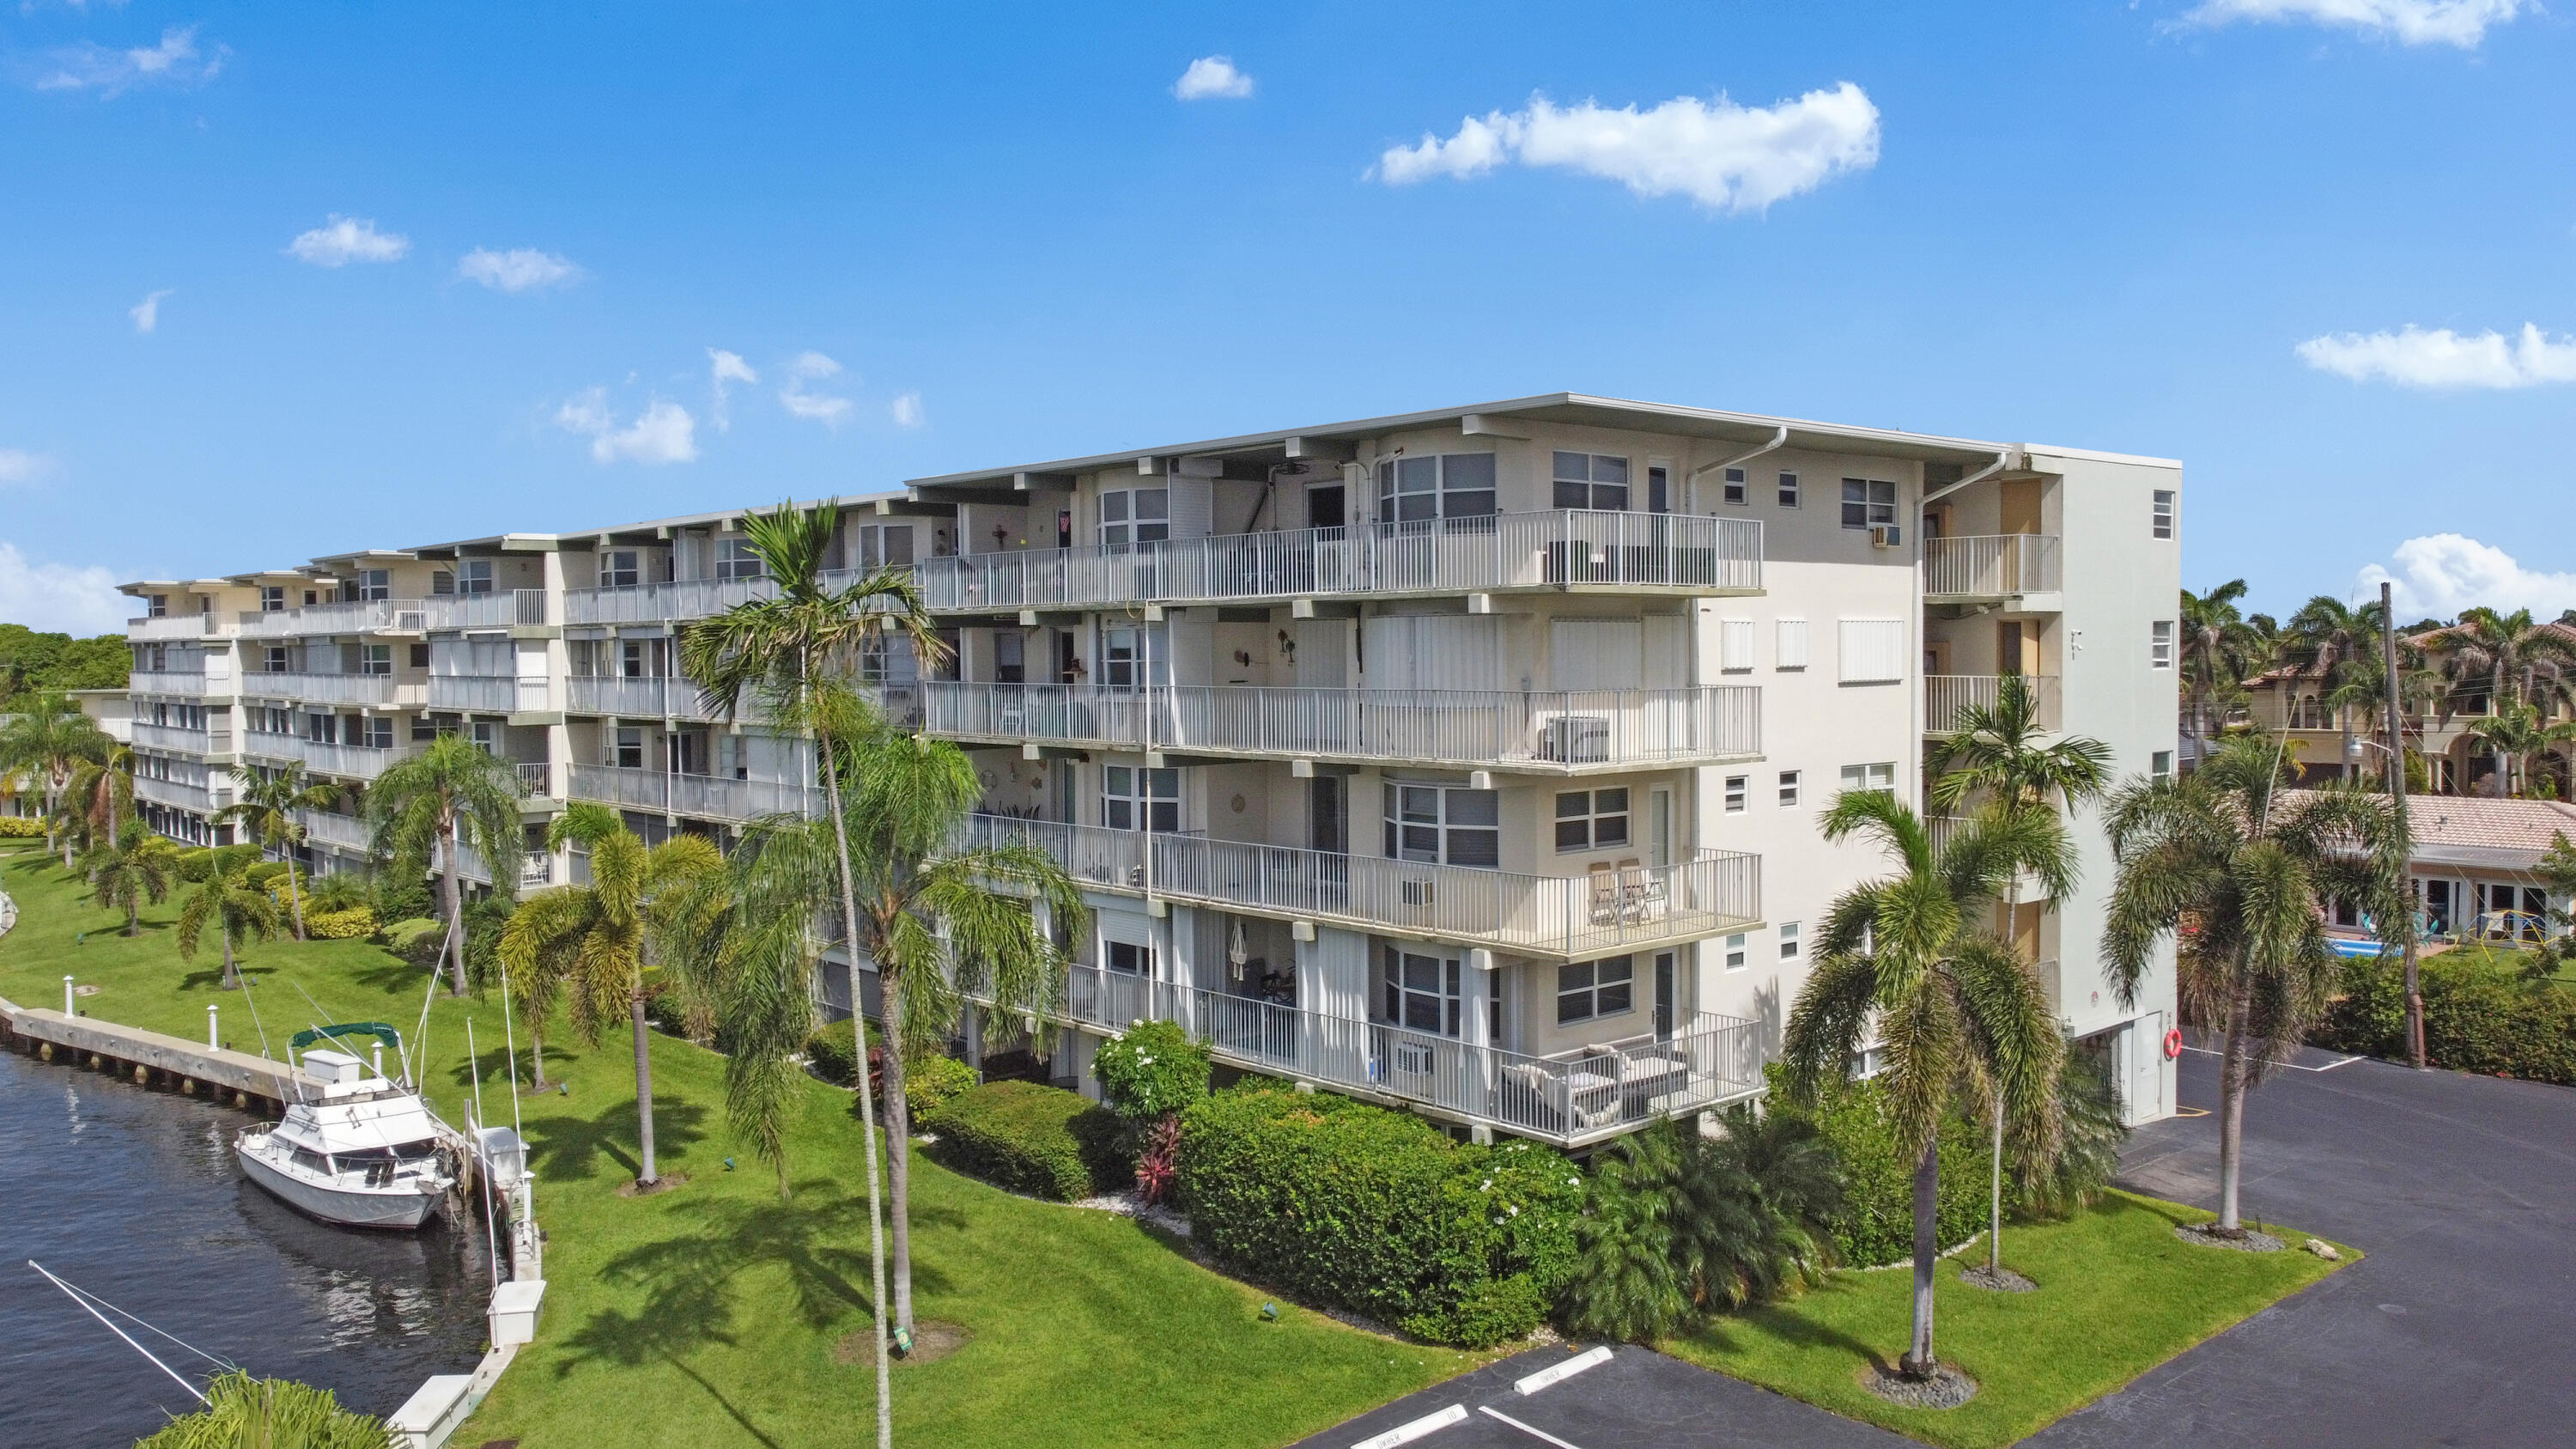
[{"x": 568, "y": 1148}]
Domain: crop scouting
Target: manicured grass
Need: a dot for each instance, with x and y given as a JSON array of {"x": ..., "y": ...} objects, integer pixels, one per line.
[
  {"x": 709, "y": 1314},
  {"x": 2118, "y": 1295}
]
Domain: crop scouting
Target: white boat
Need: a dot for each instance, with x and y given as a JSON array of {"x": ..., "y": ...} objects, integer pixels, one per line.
[{"x": 367, "y": 1154}]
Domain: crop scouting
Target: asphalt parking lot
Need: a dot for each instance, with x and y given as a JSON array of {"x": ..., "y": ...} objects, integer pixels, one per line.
[{"x": 2453, "y": 1330}]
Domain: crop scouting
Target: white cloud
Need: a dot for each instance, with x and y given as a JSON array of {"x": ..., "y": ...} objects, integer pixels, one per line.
[
  {"x": 110, "y": 71},
  {"x": 1212, "y": 77},
  {"x": 346, "y": 239},
  {"x": 907, "y": 411},
  {"x": 147, "y": 313},
  {"x": 2443, "y": 358},
  {"x": 813, "y": 364},
  {"x": 2443, "y": 573},
  {"x": 516, "y": 270},
  {"x": 662, "y": 433},
  {"x": 723, "y": 369},
  {"x": 1722, "y": 155},
  {"x": 76, "y": 599},
  {"x": 20, "y": 466},
  {"x": 813, "y": 407},
  {"x": 2415, "y": 22}
]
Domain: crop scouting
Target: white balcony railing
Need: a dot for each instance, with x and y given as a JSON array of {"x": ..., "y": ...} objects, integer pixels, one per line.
[
  {"x": 1546, "y": 730},
  {"x": 486, "y": 611},
  {"x": 678, "y": 599},
  {"x": 487, "y": 693},
  {"x": 1457, "y": 555},
  {"x": 324, "y": 688},
  {"x": 345, "y": 833},
  {"x": 344, "y": 616},
  {"x": 178, "y": 794},
  {"x": 1574, "y": 917},
  {"x": 536, "y": 777},
  {"x": 1990, "y": 566},
  {"x": 176, "y": 626},
  {"x": 181, "y": 741},
  {"x": 1571, "y": 1098},
  {"x": 320, "y": 757},
  {"x": 168, "y": 681},
  {"x": 712, "y": 797},
  {"x": 536, "y": 868},
  {"x": 1944, "y": 695}
]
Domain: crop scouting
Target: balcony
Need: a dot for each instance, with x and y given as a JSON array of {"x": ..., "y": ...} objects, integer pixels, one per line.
[
  {"x": 345, "y": 616},
  {"x": 1562, "y": 733},
  {"x": 345, "y": 833},
  {"x": 505, "y": 610},
  {"x": 1561, "y": 550},
  {"x": 189, "y": 686},
  {"x": 182, "y": 741},
  {"x": 709, "y": 797},
  {"x": 1990, "y": 568},
  {"x": 175, "y": 626},
  {"x": 1944, "y": 695},
  {"x": 1572, "y": 918},
  {"x": 381, "y": 689},
  {"x": 536, "y": 868},
  {"x": 487, "y": 693},
  {"x": 177, "y": 794},
  {"x": 679, "y": 599},
  {"x": 337, "y": 761},
  {"x": 1571, "y": 1099}
]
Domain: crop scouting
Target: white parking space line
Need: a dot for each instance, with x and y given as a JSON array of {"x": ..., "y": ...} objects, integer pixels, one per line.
[
  {"x": 1407, "y": 1432},
  {"x": 1541, "y": 1434},
  {"x": 1549, "y": 1377},
  {"x": 2293, "y": 1066}
]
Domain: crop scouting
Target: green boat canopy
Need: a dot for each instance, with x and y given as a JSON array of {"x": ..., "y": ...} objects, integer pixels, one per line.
[{"x": 376, "y": 1029}]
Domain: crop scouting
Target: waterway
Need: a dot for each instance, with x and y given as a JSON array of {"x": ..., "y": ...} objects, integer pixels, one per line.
[{"x": 132, "y": 1194}]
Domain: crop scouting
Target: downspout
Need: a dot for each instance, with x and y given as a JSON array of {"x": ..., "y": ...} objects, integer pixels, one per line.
[{"x": 1779, "y": 439}]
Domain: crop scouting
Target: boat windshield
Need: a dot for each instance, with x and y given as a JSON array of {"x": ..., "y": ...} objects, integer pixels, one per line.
[{"x": 399, "y": 1152}]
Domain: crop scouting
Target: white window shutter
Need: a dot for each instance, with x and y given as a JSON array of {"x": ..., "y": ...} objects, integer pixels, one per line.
[
  {"x": 1735, "y": 644},
  {"x": 1793, "y": 644},
  {"x": 1872, "y": 651}
]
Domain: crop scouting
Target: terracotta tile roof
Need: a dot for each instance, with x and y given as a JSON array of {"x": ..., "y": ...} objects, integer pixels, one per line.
[{"x": 2477, "y": 822}]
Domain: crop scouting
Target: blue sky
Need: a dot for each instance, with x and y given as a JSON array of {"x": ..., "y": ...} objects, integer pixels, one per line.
[{"x": 417, "y": 273}]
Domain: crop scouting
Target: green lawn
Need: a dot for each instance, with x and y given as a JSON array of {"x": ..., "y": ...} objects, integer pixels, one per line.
[
  {"x": 709, "y": 1315},
  {"x": 2118, "y": 1295}
]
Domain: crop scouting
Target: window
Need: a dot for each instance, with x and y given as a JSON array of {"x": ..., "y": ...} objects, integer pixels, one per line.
[
  {"x": 889, "y": 544},
  {"x": 1659, "y": 489},
  {"x": 1734, "y": 645},
  {"x": 1442, "y": 825},
  {"x": 374, "y": 584},
  {"x": 157, "y": 607},
  {"x": 1735, "y": 951},
  {"x": 1788, "y": 788},
  {"x": 276, "y": 662},
  {"x": 2164, "y": 513},
  {"x": 1134, "y": 799},
  {"x": 1793, "y": 645},
  {"x": 1135, "y": 515},
  {"x": 1126, "y": 653},
  {"x": 1451, "y": 485},
  {"x": 620, "y": 568},
  {"x": 735, "y": 560},
  {"x": 1420, "y": 993},
  {"x": 1788, "y": 940},
  {"x": 1868, "y": 502},
  {"x": 375, "y": 659},
  {"x": 1788, "y": 490},
  {"x": 486, "y": 735},
  {"x": 2160, "y": 764},
  {"x": 1593, "y": 480},
  {"x": 420, "y": 656},
  {"x": 1870, "y": 777},
  {"x": 2160, "y": 641},
  {"x": 626, "y": 748},
  {"x": 1591, "y": 819},
  {"x": 474, "y": 576},
  {"x": 322, "y": 729},
  {"x": 1588, "y": 990},
  {"x": 1731, "y": 487},
  {"x": 1739, "y": 793},
  {"x": 442, "y": 582},
  {"x": 1129, "y": 959},
  {"x": 373, "y": 731},
  {"x": 272, "y": 599}
]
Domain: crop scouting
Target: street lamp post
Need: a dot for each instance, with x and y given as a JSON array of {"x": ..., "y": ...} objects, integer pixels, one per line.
[{"x": 2397, "y": 793}]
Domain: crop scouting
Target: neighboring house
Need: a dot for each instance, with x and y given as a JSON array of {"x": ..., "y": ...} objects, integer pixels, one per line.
[
  {"x": 1469, "y": 760},
  {"x": 2474, "y": 871},
  {"x": 2291, "y": 699}
]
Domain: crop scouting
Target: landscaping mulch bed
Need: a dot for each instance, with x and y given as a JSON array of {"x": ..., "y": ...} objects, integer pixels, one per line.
[
  {"x": 2251, "y": 1242},
  {"x": 665, "y": 1183},
  {"x": 932, "y": 1340},
  {"x": 1946, "y": 1388},
  {"x": 2000, "y": 1280}
]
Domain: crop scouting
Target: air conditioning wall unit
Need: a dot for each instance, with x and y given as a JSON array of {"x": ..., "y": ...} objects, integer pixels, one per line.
[
  {"x": 1413, "y": 1058},
  {"x": 1576, "y": 739},
  {"x": 1885, "y": 535}
]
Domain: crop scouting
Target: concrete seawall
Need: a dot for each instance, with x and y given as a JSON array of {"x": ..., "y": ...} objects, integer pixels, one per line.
[{"x": 213, "y": 1068}]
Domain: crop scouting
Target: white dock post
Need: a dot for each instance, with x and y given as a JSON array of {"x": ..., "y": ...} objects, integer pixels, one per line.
[
  {"x": 67, "y": 997},
  {"x": 211, "y": 1043}
]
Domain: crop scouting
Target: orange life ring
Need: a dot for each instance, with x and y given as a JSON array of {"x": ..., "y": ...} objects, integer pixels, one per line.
[{"x": 2173, "y": 1043}]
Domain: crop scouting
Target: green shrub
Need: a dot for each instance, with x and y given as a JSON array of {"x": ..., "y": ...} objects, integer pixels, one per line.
[
  {"x": 2480, "y": 1015},
  {"x": 832, "y": 1051},
  {"x": 1352, "y": 1206},
  {"x": 353, "y": 924},
  {"x": 1151, "y": 1070},
  {"x": 1877, "y": 1222},
  {"x": 1042, "y": 1141},
  {"x": 21, "y": 827},
  {"x": 932, "y": 1082}
]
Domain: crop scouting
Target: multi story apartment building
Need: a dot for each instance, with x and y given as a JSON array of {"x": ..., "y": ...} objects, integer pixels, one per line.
[{"x": 1469, "y": 760}]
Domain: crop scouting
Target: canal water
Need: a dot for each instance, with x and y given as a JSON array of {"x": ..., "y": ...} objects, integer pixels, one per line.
[{"x": 132, "y": 1194}]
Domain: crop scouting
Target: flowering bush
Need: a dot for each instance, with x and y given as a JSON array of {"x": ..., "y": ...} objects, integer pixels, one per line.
[
  {"x": 349, "y": 925},
  {"x": 21, "y": 827},
  {"x": 1151, "y": 1071}
]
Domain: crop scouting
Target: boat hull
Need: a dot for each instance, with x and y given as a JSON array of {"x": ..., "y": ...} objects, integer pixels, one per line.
[{"x": 401, "y": 1207}]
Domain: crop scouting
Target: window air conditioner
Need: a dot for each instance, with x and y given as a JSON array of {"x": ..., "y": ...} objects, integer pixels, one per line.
[
  {"x": 1577, "y": 739},
  {"x": 1885, "y": 535},
  {"x": 1413, "y": 1058},
  {"x": 1417, "y": 892}
]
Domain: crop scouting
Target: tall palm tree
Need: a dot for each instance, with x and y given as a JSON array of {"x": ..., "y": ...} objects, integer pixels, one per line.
[
  {"x": 136, "y": 868},
  {"x": 2504, "y": 658},
  {"x": 236, "y": 907},
  {"x": 1960, "y": 1017},
  {"x": 101, "y": 795},
  {"x": 591, "y": 940},
  {"x": 47, "y": 741},
  {"x": 266, "y": 808},
  {"x": 2512, "y": 732},
  {"x": 780, "y": 649},
  {"x": 452, "y": 794},
  {"x": 2240, "y": 867},
  {"x": 2220, "y": 651},
  {"x": 2340, "y": 641},
  {"x": 1997, "y": 755}
]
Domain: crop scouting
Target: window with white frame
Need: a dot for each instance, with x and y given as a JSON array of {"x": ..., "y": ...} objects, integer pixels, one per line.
[
  {"x": 1730, "y": 487},
  {"x": 2164, "y": 513},
  {"x": 374, "y": 584},
  {"x": 885, "y": 545},
  {"x": 1659, "y": 488},
  {"x": 1739, "y": 793},
  {"x": 1868, "y": 502},
  {"x": 474, "y": 576},
  {"x": 442, "y": 582},
  {"x": 272, "y": 598},
  {"x": 1788, "y": 788},
  {"x": 1141, "y": 799},
  {"x": 376, "y": 732},
  {"x": 1880, "y": 776},
  {"x": 2160, "y": 644},
  {"x": 1127, "y": 653},
  {"x": 157, "y": 607},
  {"x": 1446, "y": 485},
  {"x": 735, "y": 559},
  {"x": 1590, "y": 990},
  {"x": 2160, "y": 764},
  {"x": 1130, "y": 516},
  {"x": 277, "y": 661},
  {"x": 322, "y": 729},
  {"x": 1735, "y": 950},
  {"x": 1788, "y": 940},
  {"x": 626, "y": 748},
  {"x": 1444, "y": 825},
  {"x": 1735, "y": 645},
  {"x": 620, "y": 568},
  {"x": 375, "y": 659},
  {"x": 1591, "y": 819},
  {"x": 1127, "y": 958},
  {"x": 1792, "y": 651},
  {"x": 1418, "y": 992},
  {"x": 1788, "y": 490},
  {"x": 1591, "y": 480}
]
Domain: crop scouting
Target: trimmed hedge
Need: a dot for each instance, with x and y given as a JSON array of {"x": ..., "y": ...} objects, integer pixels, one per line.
[
  {"x": 2480, "y": 1015},
  {"x": 1042, "y": 1141},
  {"x": 1152, "y": 1070},
  {"x": 934, "y": 1082},
  {"x": 1352, "y": 1206},
  {"x": 352, "y": 924},
  {"x": 21, "y": 827},
  {"x": 1877, "y": 1225}
]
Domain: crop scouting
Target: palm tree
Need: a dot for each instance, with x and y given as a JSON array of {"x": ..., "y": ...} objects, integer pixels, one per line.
[
  {"x": 47, "y": 742},
  {"x": 138, "y": 867},
  {"x": 591, "y": 940},
  {"x": 1960, "y": 1017},
  {"x": 237, "y": 908},
  {"x": 2220, "y": 651},
  {"x": 101, "y": 795},
  {"x": 243, "y": 1410},
  {"x": 2504, "y": 657},
  {"x": 780, "y": 648},
  {"x": 266, "y": 810},
  {"x": 2512, "y": 733},
  {"x": 1997, "y": 754},
  {"x": 2240, "y": 867},
  {"x": 2341, "y": 643},
  {"x": 453, "y": 794}
]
